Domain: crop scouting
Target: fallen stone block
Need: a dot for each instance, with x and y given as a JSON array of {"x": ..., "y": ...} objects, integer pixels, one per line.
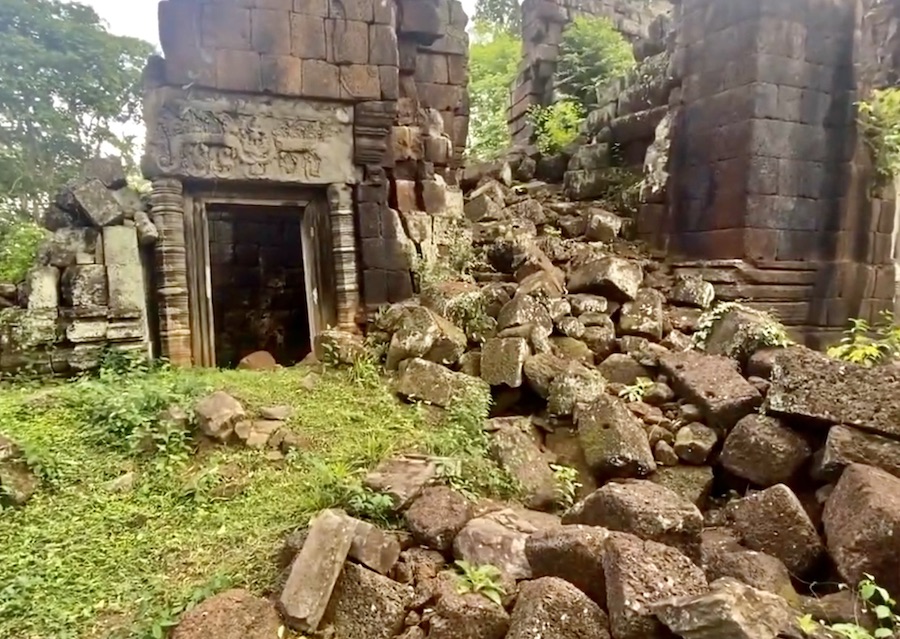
[
  {"x": 502, "y": 360},
  {"x": 846, "y": 446},
  {"x": 573, "y": 553},
  {"x": 694, "y": 443},
  {"x": 763, "y": 450},
  {"x": 402, "y": 478},
  {"x": 612, "y": 277},
  {"x": 613, "y": 439},
  {"x": 692, "y": 291},
  {"x": 774, "y": 521},
  {"x": 554, "y": 609},
  {"x": 234, "y": 614},
  {"x": 218, "y": 415},
  {"x": 315, "y": 570},
  {"x": 577, "y": 385},
  {"x": 602, "y": 226},
  {"x": 862, "y": 526},
  {"x": 756, "y": 569},
  {"x": 693, "y": 483},
  {"x": 374, "y": 548},
  {"x": 644, "y": 509},
  {"x": 713, "y": 383},
  {"x": 437, "y": 516},
  {"x": 639, "y": 575},
  {"x": 96, "y": 203},
  {"x": 466, "y": 616},
  {"x": 811, "y": 385},
  {"x": 515, "y": 451},
  {"x": 426, "y": 381},
  {"x": 366, "y": 605},
  {"x": 742, "y": 331},
  {"x": 643, "y": 316}
]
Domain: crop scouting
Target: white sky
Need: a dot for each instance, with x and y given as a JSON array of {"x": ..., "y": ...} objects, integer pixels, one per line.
[{"x": 137, "y": 18}]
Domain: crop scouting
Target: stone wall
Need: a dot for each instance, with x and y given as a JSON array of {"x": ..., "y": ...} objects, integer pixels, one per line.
[
  {"x": 87, "y": 291},
  {"x": 365, "y": 98},
  {"x": 543, "y": 22}
]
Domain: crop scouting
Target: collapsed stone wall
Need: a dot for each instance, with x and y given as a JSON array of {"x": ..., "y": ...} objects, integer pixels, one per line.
[
  {"x": 543, "y": 22},
  {"x": 87, "y": 292}
]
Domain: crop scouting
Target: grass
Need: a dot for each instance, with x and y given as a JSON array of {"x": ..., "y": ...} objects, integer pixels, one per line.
[{"x": 81, "y": 560}]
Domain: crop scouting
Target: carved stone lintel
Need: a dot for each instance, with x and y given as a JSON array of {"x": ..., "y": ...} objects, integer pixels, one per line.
[
  {"x": 171, "y": 271},
  {"x": 343, "y": 242}
]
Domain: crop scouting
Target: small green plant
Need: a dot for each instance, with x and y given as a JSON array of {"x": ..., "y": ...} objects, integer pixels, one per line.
[
  {"x": 869, "y": 345},
  {"x": 19, "y": 244},
  {"x": 567, "y": 484},
  {"x": 875, "y": 599},
  {"x": 366, "y": 503},
  {"x": 879, "y": 119},
  {"x": 637, "y": 391},
  {"x": 556, "y": 126},
  {"x": 481, "y": 580}
]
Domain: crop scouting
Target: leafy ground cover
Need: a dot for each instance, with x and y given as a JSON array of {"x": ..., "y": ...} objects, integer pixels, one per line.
[{"x": 88, "y": 557}]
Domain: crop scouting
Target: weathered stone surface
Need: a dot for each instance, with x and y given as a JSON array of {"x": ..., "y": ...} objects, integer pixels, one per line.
[
  {"x": 419, "y": 332},
  {"x": 602, "y": 226},
  {"x": 235, "y": 614},
  {"x": 502, "y": 360},
  {"x": 437, "y": 516},
  {"x": 525, "y": 310},
  {"x": 551, "y": 608},
  {"x": 862, "y": 526},
  {"x": 315, "y": 570},
  {"x": 611, "y": 277},
  {"x": 809, "y": 384},
  {"x": 756, "y": 569},
  {"x": 218, "y": 415},
  {"x": 713, "y": 383},
  {"x": 573, "y": 553},
  {"x": 620, "y": 368},
  {"x": 763, "y": 450},
  {"x": 773, "y": 521},
  {"x": 83, "y": 286},
  {"x": 692, "y": 291},
  {"x": 258, "y": 361},
  {"x": 613, "y": 440},
  {"x": 366, "y": 605},
  {"x": 574, "y": 386},
  {"x": 644, "y": 315},
  {"x": 694, "y": 443},
  {"x": 96, "y": 203},
  {"x": 374, "y": 548},
  {"x": 693, "y": 483},
  {"x": 639, "y": 575},
  {"x": 69, "y": 246},
  {"x": 403, "y": 478},
  {"x": 644, "y": 509},
  {"x": 584, "y": 303},
  {"x": 426, "y": 381},
  {"x": 468, "y": 616},
  {"x": 516, "y": 452},
  {"x": 731, "y": 610},
  {"x": 740, "y": 332},
  {"x": 498, "y": 539},
  {"x": 846, "y": 446}
]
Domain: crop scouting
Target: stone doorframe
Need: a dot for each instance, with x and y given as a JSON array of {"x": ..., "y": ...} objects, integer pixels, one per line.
[{"x": 182, "y": 263}]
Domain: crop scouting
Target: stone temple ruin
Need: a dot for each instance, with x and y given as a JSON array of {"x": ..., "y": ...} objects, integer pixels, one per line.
[{"x": 306, "y": 156}]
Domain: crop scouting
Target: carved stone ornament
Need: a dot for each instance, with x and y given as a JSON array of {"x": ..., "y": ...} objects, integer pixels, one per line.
[{"x": 207, "y": 135}]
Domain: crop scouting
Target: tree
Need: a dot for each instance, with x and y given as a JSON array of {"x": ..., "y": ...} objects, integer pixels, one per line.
[
  {"x": 66, "y": 85},
  {"x": 505, "y": 14},
  {"x": 493, "y": 57}
]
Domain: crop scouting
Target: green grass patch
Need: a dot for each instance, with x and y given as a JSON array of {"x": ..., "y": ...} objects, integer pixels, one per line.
[{"x": 84, "y": 560}]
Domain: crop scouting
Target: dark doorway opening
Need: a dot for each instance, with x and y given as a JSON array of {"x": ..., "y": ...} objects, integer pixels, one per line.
[{"x": 257, "y": 282}]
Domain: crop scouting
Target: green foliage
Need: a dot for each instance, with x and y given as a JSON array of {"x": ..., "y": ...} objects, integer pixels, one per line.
[
  {"x": 567, "y": 484},
  {"x": 556, "y": 126},
  {"x": 493, "y": 57},
  {"x": 771, "y": 335},
  {"x": 504, "y": 15},
  {"x": 367, "y": 504},
  {"x": 875, "y": 599},
  {"x": 879, "y": 120},
  {"x": 637, "y": 391},
  {"x": 591, "y": 53},
  {"x": 869, "y": 345},
  {"x": 481, "y": 580},
  {"x": 19, "y": 243}
]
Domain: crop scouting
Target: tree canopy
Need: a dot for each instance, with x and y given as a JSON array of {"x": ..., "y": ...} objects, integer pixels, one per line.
[
  {"x": 66, "y": 85},
  {"x": 592, "y": 53},
  {"x": 504, "y": 14}
]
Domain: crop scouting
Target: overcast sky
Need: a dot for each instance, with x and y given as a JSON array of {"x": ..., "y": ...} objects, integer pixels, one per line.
[{"x": 137, "y": 18}]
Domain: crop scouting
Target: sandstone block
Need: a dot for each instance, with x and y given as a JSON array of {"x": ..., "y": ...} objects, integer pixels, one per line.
[
  {"x": 846, "y": 446},
  {"x": 347, "y": 41},
  {"x": 270, "y": 31},
  {"x": 366, "y": 605},
  {"x": 437, "y": 516},
  {"x": 321, "y": 79},
  {"x": 218, "y": 415},
  {"x": 84, "y": 286},
  {"x": 43, "y": 284},
  {"x": 602, "y": 226},
  {"x": 403, "y": 478},
  {"x": 359, "y": 82},
  {"x": 515, "y": 450},
  {"x": 692, "y": 291},
  {"x": 763, "y": 450},
  {"x": 613, "y": 277},
  {"x": 238, "y": 71},
  {"x": 552, "y": 608},
  {"x": 574, "y": 553},
  {"x": 502, "y": 360},
  {"x": 694, "y": 443},
  {"x": 575, "y": 386},
  {"x": 235, "y": 614},
  {"x": 308, "y": 40},
  {"x": 643, "y": 316},
  {"x": 613, "y": 440}
]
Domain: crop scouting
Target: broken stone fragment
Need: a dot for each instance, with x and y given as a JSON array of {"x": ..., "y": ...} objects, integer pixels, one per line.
[
  {"x": 437, "y": 516},
  {"x": 644, "y": 509},
  {"x": 846, "y": 446},
  {"x": 366, "y": 605},
  {"x": 70, "y": 246},
  {"x": 17, "y": 483},
  {"x": 612, "y": 277},
  {"x": 731, "y": 610},
  {"x": 422, "y": 333},
  {"x": 692, "y": 291},
  {"x": 714, "y": 384},
  {"x": 109, "y": 170},
  {"x": 516, "y": 452},
  {"x": 422, "y": 380},
  {"x": 613, "y": 440},
  {"x": 84, "y": 286},
  {"x": 763, "y": 450},
  {"x": 218, "y": 415},
  {"x": 862, "y": 526},
  {"x": 576, "y": 385},
  {"x": 644, "y": 315},
  {"x": 42, "y": 288},
  {"x": 541, "y": 369},
  {"x": 584, "y": 303},
  {"x": 620, "y": 368},
  {"x": 234, "y": 614},
  {"x": 502, "y": 360},
  {"x": 525, "y": 310},
  {"x": 146, "y": 229},
  {"x": 694, "y": 443},
  {"x": 573, "y": 553},
  {"x": 466, "y": 616},
  {"x": 403, "y": 478},
  {"x": 602, "y": 226},
  {"x": 774, "y": 521},
  {"x": 639, "y": 575},
  {"x": 742, "y": 331},
  {"x": 555, "y": 609},
  {"x": 96, "y": 203},
  {"x": 756, "y": 569},
  {"x": 258, "y": 361},
  {"x": 342, "y": 347},
  {"x": 315, "y": 570},
  {"x": 693, "y": 483}
]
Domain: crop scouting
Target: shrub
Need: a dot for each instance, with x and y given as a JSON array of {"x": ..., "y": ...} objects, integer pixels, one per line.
[
  {"x": 869, "y": 345},
  {"x": 19, "y": 245},
  {"x": 556, "y": 126},
  {"x": 592, "y": 52},
  {"x": 875, "y": 599},
  {"x": 879, "y": 120}
]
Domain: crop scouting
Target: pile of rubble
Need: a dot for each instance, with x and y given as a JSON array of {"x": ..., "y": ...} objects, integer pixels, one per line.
[{"x": 722, "y": 469}]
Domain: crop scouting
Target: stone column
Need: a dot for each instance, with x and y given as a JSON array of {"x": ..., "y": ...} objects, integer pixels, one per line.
[
  {"x": 343, "y": 243},
  {"x": 171, "y": 271}
]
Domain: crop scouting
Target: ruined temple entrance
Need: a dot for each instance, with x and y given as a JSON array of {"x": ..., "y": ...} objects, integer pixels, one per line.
[{"x": 260, "y": 276}]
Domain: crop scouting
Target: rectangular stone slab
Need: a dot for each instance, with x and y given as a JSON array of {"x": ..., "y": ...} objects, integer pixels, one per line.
[{"x": 808, "y": 384}]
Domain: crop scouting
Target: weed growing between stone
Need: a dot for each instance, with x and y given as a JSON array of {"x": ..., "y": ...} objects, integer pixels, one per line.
[
  {"x": 481, "y": 580},
  {"x": 876, "y": 600},
  {"x": 869, "y": 345},
  {"x": 136, "y": 521}
]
